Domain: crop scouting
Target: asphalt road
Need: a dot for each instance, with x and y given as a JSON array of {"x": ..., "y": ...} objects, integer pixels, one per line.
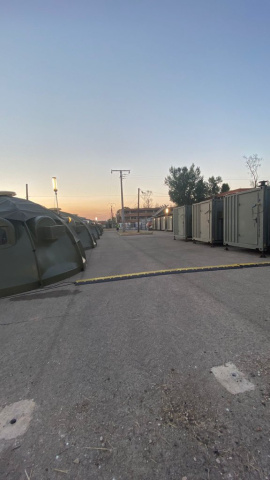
[{"x": 119, "y": 374}]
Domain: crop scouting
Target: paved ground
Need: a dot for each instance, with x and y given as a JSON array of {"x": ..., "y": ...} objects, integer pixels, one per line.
[{"x": 117, "y": 376}]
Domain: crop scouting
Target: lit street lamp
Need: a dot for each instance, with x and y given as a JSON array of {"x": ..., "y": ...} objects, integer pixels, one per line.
[{"x": 55, "y": 189}]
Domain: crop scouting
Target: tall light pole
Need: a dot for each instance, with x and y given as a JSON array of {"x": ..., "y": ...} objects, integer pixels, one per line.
[
  {"x": 55, "y": 189},
  {"x": 122, "y": 196}
]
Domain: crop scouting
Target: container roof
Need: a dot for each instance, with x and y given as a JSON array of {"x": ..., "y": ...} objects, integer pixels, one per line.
[{"x": 231, "y": 192}]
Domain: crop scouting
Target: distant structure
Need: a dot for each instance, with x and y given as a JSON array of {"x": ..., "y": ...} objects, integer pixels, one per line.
[
  {"x": 131, "y": 216},
  {"x": 163, "y": 219}
]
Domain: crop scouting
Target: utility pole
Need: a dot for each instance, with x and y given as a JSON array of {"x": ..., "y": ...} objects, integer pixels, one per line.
[
  {"x": 112, "y": 212},
  {"x": 26, "y": 188},
  {"x": 122, "y": 197}
]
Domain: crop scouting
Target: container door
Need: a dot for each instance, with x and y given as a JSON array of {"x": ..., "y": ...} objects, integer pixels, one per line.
[
  {"x": 181, "y": 222},
  {"x": 169, "y": 223},
  {"x": 205, "y": 214},
  {"x": 248, "y": 218}
]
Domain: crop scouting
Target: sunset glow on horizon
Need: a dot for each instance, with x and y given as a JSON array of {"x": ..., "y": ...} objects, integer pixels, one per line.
[{"x": 88, "y": 87}]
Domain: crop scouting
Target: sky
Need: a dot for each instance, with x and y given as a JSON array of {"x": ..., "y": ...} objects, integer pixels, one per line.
[{"x": 87, "y": 86}]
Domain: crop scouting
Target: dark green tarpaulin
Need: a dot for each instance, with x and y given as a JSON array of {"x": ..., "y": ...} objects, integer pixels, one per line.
[
  {"x": 13, "y": 208},
  {"x": 36, "y": 246}
]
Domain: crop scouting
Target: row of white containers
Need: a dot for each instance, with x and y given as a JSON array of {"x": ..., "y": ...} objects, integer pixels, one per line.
[
  {"x": 241, "y": 219},
  {"x": 163, "y": 223}
]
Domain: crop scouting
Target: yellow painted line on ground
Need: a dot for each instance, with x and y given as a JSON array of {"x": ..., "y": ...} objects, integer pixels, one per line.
[{"x": 129, "y": 276}]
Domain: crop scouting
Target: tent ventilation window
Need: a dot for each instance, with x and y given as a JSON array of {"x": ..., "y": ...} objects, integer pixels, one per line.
[
  {"x": 7, "y": 233},
  {"x": 3, "y": 236}
]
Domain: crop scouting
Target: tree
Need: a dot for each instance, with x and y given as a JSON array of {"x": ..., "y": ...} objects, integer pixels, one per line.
[
  {"x": 253, "y": 162},
  {"x": 186, "y": 185},
  {"x": 147, "y": 198},
  {"x": 225, "y": 187},
  {"x": 111, "y": 222},
  {"x": 213, "y": 185}
]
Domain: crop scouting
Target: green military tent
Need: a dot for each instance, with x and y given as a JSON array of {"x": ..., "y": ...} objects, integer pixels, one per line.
[
  {"x": 94, "y": 228},
  {"x": 100, "y": 228},
  {"x": 81, "y": 229},
  {"x": 36, "y": 247}
]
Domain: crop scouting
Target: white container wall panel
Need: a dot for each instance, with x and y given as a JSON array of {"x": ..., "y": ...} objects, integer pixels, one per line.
[
  {"x": 176, "y": 221},
  {"x": 162, "y": 223},
  {"x": 158, "y": 223},
  {"x": 207, "y": 221},
  {"x": 247, "y": 219},
  {"x": 154, "y": 224},
  {"x": 182, "y": 222},
  {"x": 201, "y": 222},
  {"x": 169, "y": 223}
]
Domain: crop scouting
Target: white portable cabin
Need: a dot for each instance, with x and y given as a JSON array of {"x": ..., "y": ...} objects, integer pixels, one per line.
[
  {"x": 182, "y": 222},
  {"x": 207, "y": 221},
  {"x": 169, "y": 223},
  {"x": 157, "y": 223},
  {"x": 247, "y": 219},
  {"x": 162, "y": 223}
]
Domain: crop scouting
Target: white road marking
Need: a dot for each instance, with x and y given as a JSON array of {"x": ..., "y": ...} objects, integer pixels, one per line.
[
  {"x": 15, "y": 419},
  {"x": 232, "y": 379}
]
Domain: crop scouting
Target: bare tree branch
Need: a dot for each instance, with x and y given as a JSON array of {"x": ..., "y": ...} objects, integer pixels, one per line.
[
  {"x": 253, "y": 162},
  {"x": 147, "y": 198}
]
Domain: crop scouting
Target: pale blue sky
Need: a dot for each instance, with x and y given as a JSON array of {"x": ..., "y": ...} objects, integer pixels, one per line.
[{"x": 87, "y": 86}]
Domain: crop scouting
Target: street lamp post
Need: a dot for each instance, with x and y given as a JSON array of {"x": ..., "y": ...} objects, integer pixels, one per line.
[
  {"x": 55, "y": 189},
  {"x": 139, "y": 192}
]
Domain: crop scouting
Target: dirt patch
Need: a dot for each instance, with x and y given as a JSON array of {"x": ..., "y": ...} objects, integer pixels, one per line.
[{"x": 227, "y": 444}]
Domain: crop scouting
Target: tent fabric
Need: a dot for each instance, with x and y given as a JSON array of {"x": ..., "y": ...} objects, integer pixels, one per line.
[
  {"x": 13, "y": 208},
  {"x": 37, "y": 247},
  {"x": 88, "y": 240}
]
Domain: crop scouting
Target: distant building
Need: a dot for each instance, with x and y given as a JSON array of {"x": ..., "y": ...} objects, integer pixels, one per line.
[{"x": 131, "y": 216}]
